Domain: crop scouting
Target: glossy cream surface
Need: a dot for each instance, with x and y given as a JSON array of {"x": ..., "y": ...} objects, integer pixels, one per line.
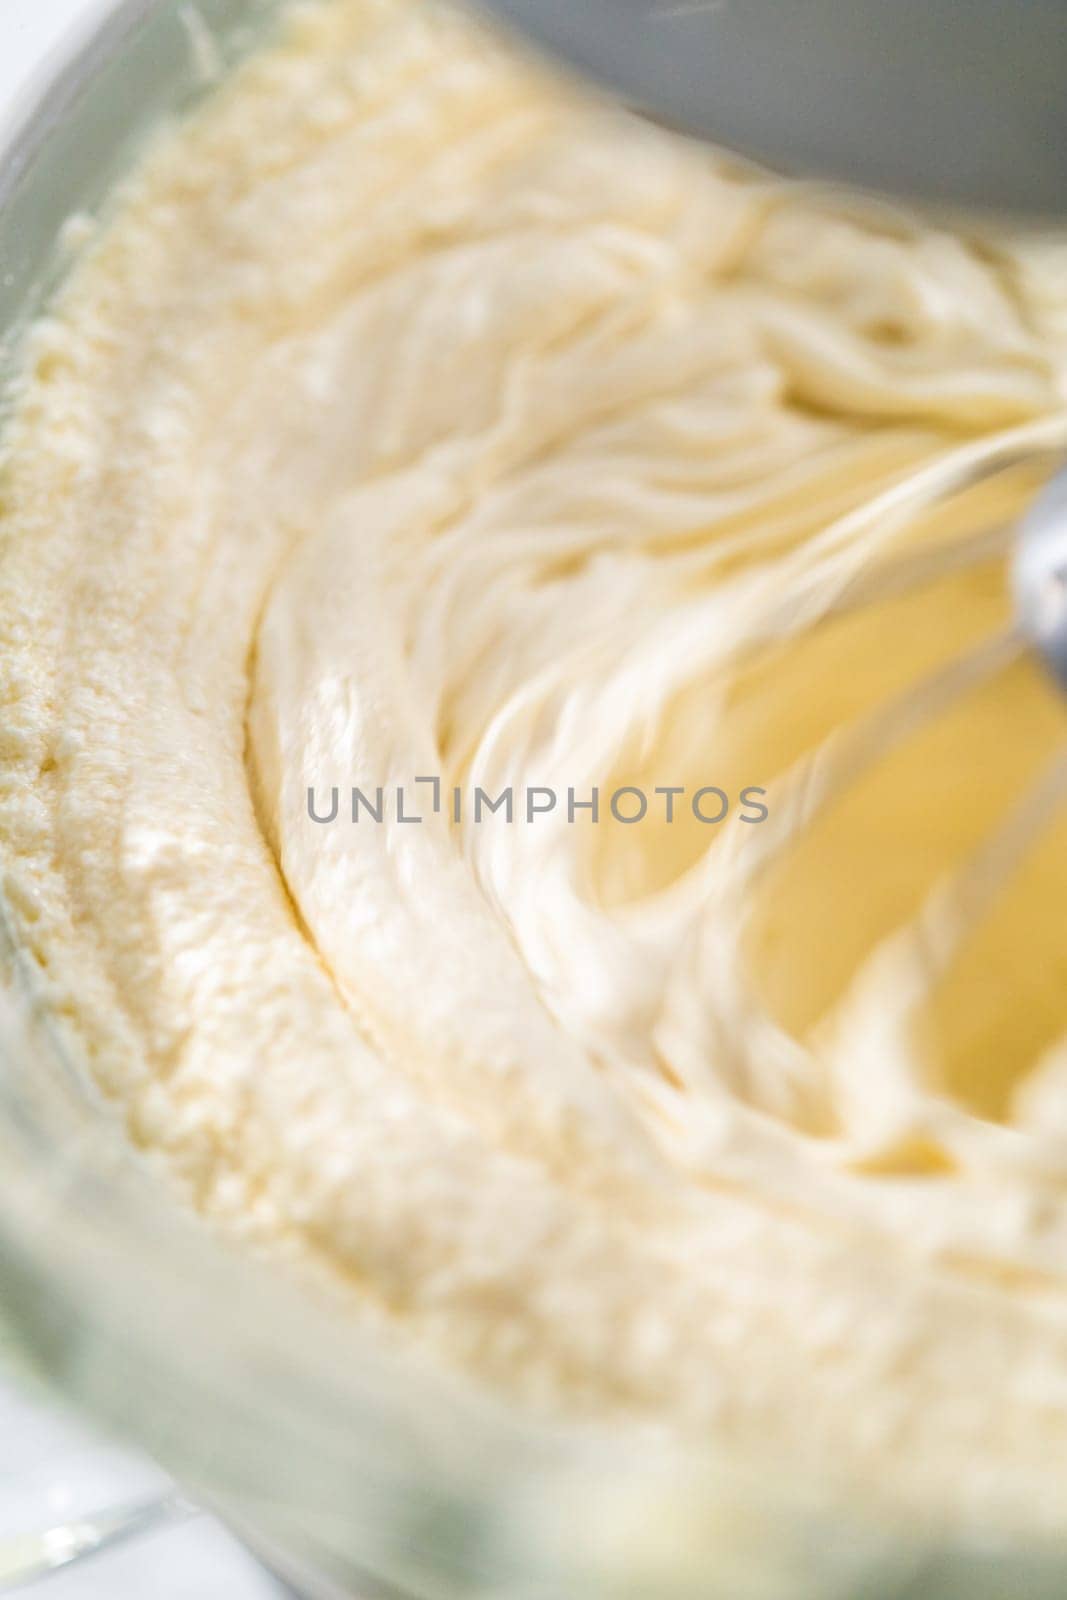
[{"x": 410, "y": 415}]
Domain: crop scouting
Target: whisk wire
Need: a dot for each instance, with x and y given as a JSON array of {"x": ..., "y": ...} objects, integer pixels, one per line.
[
  {"x": 823, "y": 775},
  {"x": 954, "y": 909}
]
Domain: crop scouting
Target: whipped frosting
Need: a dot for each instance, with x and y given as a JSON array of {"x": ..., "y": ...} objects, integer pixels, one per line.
[{"x": 411, "y": 415}]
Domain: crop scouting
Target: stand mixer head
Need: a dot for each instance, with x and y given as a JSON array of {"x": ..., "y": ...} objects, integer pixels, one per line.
[{"x": 961, "y": 102}]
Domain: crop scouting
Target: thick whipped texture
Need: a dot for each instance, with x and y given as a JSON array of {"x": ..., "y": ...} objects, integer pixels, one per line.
[{"x": 410, "y": 415}]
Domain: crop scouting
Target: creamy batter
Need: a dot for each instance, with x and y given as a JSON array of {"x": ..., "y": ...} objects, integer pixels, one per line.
[{"x": 408, "y": 416}]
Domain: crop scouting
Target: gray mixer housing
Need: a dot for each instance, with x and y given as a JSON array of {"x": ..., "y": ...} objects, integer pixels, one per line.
[{"x": 961, "y": 102}]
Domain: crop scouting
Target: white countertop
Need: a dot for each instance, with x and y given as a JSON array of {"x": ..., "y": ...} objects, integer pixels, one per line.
[
  {"x": 56, "y": 1475},
  {"x": 29, "y": 29},
  {"x": 54, "y": 1470}
]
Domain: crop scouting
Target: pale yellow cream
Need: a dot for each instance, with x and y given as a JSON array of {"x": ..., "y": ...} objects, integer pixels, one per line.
[{"x": 412, "y": 416}]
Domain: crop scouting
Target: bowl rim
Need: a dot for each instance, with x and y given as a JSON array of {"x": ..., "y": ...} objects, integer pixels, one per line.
[{"x": 57, "y": 81}]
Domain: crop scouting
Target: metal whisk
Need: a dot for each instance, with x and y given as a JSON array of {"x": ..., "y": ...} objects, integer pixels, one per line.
[
  {"x": 1037, "y": 550},
  {"x": 845, "y": 574}
]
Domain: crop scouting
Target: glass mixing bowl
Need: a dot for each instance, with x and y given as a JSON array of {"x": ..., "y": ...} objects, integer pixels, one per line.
[{"x": 353, "y": 1473}]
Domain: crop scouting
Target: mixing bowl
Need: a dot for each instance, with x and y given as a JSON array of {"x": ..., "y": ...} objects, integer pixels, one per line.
[{"x": 352, "y": 1471}]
